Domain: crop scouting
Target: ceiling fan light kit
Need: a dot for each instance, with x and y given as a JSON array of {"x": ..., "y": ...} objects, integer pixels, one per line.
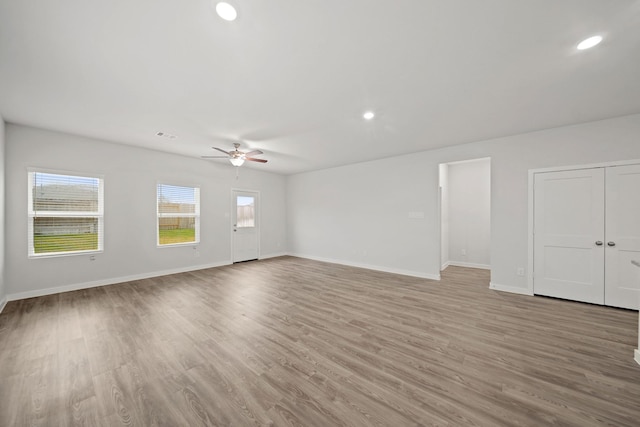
[
  {"x": 237, "y": 157},
  {"x": 237, "y": 161}
]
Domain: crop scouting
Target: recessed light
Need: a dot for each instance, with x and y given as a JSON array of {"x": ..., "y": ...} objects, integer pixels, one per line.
[
  {"x": 369, "y": 115},
  {"x": 226, "y": 11},
  {"x": 589, "y": 43}
]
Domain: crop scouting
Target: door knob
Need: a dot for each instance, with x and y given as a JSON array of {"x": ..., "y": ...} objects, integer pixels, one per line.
[
  {"x": 611, "y": 243},
  {"x": 599, "y": 243}
]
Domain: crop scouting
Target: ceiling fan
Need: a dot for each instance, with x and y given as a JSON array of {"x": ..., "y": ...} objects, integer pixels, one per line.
[{"x": 237, "y": 157}]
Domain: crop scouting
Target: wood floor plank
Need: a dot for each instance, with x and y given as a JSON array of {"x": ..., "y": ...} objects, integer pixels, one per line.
[
  {"x": 76, "y": 392},
  {"x": 12, "y": 400},
  {"x": 289, "y": 341},
  {"x": 42, "y": 382},
  {"x": 115, "y": 399}
]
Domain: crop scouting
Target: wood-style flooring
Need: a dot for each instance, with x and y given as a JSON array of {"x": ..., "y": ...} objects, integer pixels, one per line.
[{"x": 289, "y": 341}]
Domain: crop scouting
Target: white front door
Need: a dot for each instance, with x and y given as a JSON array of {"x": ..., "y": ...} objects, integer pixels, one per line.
[
  {"x": 245, "y": 223},
  {"x": 569, "y": 238},
  {"x": 622, "y": 236}
]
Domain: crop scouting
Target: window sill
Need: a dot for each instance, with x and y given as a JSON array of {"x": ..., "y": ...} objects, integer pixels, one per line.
[
  {"x": 174, "y": 245},
  {"x": 64, "y": 254}
]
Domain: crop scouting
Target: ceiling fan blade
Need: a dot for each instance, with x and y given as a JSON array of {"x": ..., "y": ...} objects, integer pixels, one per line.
[
  {"x": 253, "y": 153},
  {"x": 251, "y": 159},
  {"x": 214, "y": 157},
  {"x": 220, "y": 149}
]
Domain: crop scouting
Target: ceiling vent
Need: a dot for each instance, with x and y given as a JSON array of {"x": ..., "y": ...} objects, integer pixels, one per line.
[{"x": 165, "y": 135}]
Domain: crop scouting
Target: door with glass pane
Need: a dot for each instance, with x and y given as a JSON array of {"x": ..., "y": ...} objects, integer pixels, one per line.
[{"x": 245, "y": 225}]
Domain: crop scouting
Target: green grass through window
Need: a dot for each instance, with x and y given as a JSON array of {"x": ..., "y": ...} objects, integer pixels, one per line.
[
  {"x": 178, "y": 235},
  {"x": 89, "y": 241},
  {"x": 65, "y": 243}
]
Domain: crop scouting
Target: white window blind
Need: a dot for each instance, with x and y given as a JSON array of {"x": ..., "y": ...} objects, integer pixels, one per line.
[
  {"x": 178, "y": 215},
  {"x": 65, "y": 214}
]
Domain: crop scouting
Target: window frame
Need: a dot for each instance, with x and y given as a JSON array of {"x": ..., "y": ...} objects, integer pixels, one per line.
[
  {"x": 195, "y": 215},
  {"x": 32, "y": 213}
]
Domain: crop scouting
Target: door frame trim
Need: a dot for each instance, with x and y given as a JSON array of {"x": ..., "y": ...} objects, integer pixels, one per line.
[
  {"x": 530, "y": 209},
  {"x": 232, "y": 204}
]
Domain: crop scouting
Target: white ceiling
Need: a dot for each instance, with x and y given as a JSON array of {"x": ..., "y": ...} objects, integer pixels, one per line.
[{"x": 292, "y": 77}]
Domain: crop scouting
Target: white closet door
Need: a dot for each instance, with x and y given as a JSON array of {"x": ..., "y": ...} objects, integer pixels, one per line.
[
  {"x": 622, "y": 236},
  {"x": 569, "y": 235}
]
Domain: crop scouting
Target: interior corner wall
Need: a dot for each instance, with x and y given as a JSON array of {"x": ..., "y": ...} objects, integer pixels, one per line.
[
  {"x": 3, "y": 290},
  {"x": 131, "y": 176},
  {"x": 384, "y": 213},
  {"x": 470, "y": 213}
]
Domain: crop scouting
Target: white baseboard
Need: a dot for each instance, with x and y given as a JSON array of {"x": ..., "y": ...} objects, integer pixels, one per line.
[
  {"x": 469, "y": 264},
  {"x": 445, "y": 265},
  {"x": 109, "y": 281},
  {"x": 3, "y": 303},
  {"x": 275, "y": 255},
  {"x": 511, "y": 289},
  {"x": 636, "y": 354},
  {"x": 371, "y": 267}
]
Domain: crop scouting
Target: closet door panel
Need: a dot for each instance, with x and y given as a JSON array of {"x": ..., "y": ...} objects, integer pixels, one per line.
[
  {"x": 568, "y": 225},
  {"x": 622, "y": 229}
]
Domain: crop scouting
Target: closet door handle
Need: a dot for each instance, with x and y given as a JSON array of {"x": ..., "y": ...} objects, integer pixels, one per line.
[
  {"x": 611, "y": 243},
  {"x": 599, "y": 243}
]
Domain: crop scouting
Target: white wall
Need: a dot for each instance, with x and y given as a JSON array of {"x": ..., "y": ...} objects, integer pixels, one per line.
[
  {"x": 444, "y": 215},
  {"x": 131, "y": 175},
  {"x": 3, "y": 290},
  {"x": 358, "y": 214},
  {"x": 636, "y": 352},
  {"x": 470, "y": 213}
]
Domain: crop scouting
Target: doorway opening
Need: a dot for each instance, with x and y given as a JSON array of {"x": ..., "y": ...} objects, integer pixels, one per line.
[{"x": 465, "y": 213}]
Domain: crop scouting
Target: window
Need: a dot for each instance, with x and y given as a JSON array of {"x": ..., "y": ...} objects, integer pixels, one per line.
[
  {"x": 178, "y": 215},
  {"x": 246, "y": 211},
  {"x": 65, "y": 214}
]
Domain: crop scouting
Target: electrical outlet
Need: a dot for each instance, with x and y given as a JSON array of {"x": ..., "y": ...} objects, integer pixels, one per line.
[
  {"x": 520, "y": 271},
  {"x": 463, "y": 252}
]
